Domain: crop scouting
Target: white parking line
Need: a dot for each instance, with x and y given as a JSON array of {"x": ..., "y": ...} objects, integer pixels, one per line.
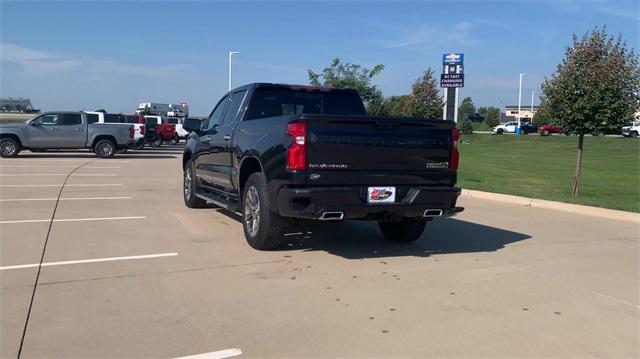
[
  {"x": 47, "y": 166},
  {"x": 58, "y": 174},
  {"x": 94, "y": 260},
  {"x": 62, "y": 199},
  {"x": 67, "y": 185},
  {"x": 220, "y": 354},
  {"x": 73, "y": 219}
]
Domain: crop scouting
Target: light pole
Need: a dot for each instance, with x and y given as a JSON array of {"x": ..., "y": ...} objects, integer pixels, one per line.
[
  {"x": 532, "y": 94},
  {"x": 520, "y": 98},
  {"x": 230, "y": 54}
]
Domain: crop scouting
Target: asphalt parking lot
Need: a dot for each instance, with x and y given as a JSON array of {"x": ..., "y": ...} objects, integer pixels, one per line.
[{"x": 129, "y": 271}]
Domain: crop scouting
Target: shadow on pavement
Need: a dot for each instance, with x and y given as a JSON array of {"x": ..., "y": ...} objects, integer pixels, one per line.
[
  {"x": 358, "y": 240},
  {"x": 362, "y": 239}
]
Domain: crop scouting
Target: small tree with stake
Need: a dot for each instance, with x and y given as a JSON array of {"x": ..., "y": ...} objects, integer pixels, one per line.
[{"x": 595, "y": 88}]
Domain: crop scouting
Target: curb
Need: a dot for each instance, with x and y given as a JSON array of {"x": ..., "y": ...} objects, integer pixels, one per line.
[{"x": 560, "y": 206}]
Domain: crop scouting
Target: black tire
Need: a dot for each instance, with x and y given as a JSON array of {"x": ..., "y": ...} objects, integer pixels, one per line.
[
  {"x": 545, "y": 132},
  {"x": 156, "y": 142},
  {"x": 174, "y": 139},
  {"x": 9, "y": 147},
  {"x": 404, "y": 231},
  {"x": 190, "y": 187},
  {"x": 104, "y": 148},
  {"x": 259, "y": 223},
  {"x": 633, "y": 134},
  {"x": 139, "y": 145},
  {"x": 499, "y": 131}
]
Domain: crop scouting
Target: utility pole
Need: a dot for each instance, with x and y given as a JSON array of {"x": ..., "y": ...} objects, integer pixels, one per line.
[{"x": 231, "y": 53}]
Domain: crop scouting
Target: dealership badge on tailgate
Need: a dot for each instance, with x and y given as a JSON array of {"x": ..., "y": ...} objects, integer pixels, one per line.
[{"x": 381, "y": 195}]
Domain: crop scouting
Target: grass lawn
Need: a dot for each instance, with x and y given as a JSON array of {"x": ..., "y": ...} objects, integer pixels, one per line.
[{"x": 543, "y": 167}]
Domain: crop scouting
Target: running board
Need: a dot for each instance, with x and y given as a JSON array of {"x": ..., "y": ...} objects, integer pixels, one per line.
[{"x": 219, "y": 201}]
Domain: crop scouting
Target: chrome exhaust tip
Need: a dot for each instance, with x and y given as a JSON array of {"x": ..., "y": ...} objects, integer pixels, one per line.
[
  {"x": 432, "y": 213},
  {"x": 331, "y": 216}
]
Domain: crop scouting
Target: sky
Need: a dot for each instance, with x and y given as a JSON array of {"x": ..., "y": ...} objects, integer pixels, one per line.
[{"x": 89, "y": 55}]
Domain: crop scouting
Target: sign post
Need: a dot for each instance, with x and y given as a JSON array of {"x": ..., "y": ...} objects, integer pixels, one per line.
[{"x": 451, "y": 79}]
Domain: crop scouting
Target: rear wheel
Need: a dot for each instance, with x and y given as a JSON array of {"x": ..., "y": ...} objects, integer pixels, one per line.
[
  {"x": 499, "y": 131},
  {"x": 190, "y": 187},
  {"x": 258, "y": 220},
  {"x": 105, "y": 149},
  {"x": 139, "y": 145},
  {"x": 174, "y": 139},
  {"x": 9, "y": 147},
  {"x": 403, "y": 231},
  {"x": 156, "y": 141}
]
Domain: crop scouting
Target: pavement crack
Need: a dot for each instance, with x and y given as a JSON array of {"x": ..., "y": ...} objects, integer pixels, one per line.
[{"x": 44, "y": 249}]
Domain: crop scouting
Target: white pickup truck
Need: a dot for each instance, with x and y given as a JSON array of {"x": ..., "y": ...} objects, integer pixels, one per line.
[{"x": 111, "y": 118}]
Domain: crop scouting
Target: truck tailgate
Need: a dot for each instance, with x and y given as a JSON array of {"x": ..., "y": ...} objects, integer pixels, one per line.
[{"x": 378, "y": 151}]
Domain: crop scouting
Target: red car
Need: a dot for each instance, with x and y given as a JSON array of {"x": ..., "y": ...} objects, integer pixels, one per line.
[{"x": 546, "y": 130}]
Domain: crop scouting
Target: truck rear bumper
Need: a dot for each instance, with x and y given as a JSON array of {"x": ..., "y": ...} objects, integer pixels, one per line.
[{"x": 351, "y": 202}]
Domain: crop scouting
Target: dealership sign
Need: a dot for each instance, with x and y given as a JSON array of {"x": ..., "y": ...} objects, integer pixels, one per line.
[
  {"x": 452, "y": 59},
  {"x": 451, "y": 80}
]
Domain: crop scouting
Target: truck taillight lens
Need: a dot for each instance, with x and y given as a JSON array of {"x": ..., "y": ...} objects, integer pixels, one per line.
[
  {"x": 455, "y": 155},
  {"x": 140, "y": 119},
  {"x": 132, "y": 131},
  {"x": 297, "y": 151},
  {"x": 141, "y": 130}
]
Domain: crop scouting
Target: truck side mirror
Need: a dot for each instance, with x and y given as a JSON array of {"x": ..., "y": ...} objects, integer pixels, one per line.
[{"x": 34, "y": 123}]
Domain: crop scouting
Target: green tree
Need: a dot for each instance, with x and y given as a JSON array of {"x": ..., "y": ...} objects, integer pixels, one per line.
[
  {"x": 346, "y": 75},
  {"x": 465, "y": 126},
  {"x": 466, "y": 108},
  {"x": 398, "y": 106},
  {"x": 595, "y": 88},
  {"x": 492, "y": 116},
  {"x": 543, "y": 116},
  {"x": 425, "y": 97}
]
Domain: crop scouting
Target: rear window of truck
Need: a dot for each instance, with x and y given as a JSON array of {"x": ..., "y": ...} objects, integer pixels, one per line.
[
  {"x": 112, "y": 118},
  {"x": 271, "y": 102}
]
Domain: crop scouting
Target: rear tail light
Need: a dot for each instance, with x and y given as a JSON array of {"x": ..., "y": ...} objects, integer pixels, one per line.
[
  {"x": 142, "y": 130},
  {"x": 132, "y": 131},
  {"x": 140, "y": 119},
  {"x": 455, "y": 155},
  {"x": 297, "y": 151}
]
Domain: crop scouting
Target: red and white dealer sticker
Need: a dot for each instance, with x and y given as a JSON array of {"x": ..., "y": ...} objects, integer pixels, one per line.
[{"x": 381, "y": 195}]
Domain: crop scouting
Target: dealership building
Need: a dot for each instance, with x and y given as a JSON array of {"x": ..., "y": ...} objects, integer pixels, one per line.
[{"x": 526, "y": 112}]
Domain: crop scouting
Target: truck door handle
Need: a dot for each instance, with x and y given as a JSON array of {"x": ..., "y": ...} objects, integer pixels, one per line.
[
  {"x": 227, "y": 137},
  {"x": 78, "y": 129},
  {"x": 54, "y": 129},
  {"x": 208, "y": 138}
]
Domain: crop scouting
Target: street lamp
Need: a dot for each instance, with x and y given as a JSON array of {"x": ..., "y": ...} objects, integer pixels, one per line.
[
  {"x": 520, "y": 98},
  {"x": 532, "y": 94},
  {"x": 230, "y": 54}
]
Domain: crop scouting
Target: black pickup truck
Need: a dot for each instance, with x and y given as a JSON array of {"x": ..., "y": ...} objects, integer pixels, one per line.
[{"x": 278, "y": 153}]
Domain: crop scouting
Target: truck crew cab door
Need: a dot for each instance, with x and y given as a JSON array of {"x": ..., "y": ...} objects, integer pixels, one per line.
[
  {"x": 220, "y": 156},
  {"x": 42, "y": 131},
  {"x": 206, "y": 172},
  {"x": 72, "y": 131}
]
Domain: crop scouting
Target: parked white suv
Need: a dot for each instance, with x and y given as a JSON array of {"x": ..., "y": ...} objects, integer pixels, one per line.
[
  {"x": 509, "y": 127},
  {"x": 631, "y": 131}
]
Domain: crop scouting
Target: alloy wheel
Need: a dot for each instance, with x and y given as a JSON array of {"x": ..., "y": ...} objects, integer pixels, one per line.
[{"x": 252, "y": 210}]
